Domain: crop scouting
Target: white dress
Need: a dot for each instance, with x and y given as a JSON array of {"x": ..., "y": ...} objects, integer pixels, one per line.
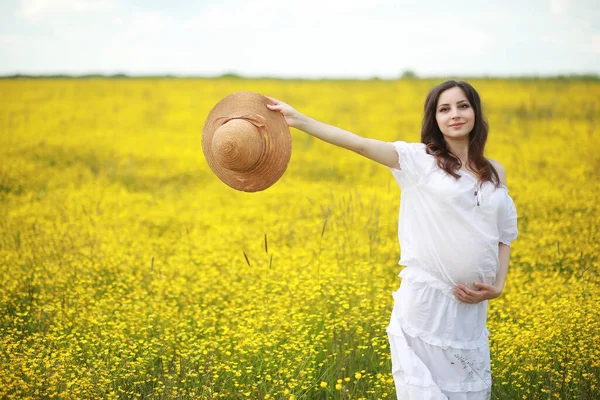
[{"x": 449, "y": 232}]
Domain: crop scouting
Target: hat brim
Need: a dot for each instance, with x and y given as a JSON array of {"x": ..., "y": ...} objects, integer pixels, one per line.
[{"x": 278, "y": 142}]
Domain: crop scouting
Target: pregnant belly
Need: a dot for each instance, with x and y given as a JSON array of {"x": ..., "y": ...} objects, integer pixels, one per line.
[
  {"x": 475, "y": 262},
  {"x": 470, "y": 276}
]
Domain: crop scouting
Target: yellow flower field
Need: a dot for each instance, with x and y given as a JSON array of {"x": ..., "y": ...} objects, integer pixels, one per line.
[{"x": 130, "y": 271}]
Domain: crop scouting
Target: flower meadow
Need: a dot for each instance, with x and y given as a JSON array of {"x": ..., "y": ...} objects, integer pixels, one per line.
[{"x": 129, "y": 271}]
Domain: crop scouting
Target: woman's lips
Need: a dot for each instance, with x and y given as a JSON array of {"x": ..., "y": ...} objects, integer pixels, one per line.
[{"x": 456, "y": 125}]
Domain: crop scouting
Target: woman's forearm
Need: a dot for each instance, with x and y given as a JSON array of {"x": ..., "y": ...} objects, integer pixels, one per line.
[
  {"x": 376, "y": 150},
  {"x": 330, "y": 133},
  {"x": 504, "y": 256}
]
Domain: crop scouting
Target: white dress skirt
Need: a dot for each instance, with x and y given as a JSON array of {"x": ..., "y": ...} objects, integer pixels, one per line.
[
  {"x": 449, "y": 231},
  {"x": 439, "y": 345}
]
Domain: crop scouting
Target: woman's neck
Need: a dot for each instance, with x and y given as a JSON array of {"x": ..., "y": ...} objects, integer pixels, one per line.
[{"x": 460, "y": 148}]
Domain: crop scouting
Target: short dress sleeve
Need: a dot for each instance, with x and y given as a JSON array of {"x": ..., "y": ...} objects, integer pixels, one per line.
[
  {"x": 413, "y": 160},
  {"x": 507, "y": 222}
]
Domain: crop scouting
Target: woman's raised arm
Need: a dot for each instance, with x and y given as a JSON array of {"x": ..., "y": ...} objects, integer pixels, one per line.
[{"x": 376, "y": 150}]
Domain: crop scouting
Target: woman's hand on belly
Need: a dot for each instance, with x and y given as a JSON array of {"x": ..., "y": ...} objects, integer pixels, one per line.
[{"x": 482, "y": 292}]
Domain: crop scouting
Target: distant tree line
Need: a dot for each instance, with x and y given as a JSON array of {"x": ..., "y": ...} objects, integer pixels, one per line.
[{"x": 405, "y": 75}]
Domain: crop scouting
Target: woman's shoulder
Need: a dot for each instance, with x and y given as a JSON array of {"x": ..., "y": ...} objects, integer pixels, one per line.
[
  {"x": 411, "y": 145},
  {"x": 414, "y": 149},
  {"x": 499, "y": 169},
  {"x": 414, "y": 162}
]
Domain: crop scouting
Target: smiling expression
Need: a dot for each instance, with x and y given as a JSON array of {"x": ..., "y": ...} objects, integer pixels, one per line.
[{"x": 454, "y": 114}]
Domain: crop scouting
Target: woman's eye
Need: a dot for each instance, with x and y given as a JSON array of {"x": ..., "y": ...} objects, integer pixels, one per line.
[
  {"x": 443, "y": 109},
  {"x": 465, "y": 105}
]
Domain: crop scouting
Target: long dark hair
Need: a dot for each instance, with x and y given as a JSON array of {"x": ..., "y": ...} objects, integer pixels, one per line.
[{"x": 432, "y": 137}]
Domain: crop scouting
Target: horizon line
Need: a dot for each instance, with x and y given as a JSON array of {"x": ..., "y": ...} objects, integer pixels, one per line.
[{"x": 407, "y": 75}]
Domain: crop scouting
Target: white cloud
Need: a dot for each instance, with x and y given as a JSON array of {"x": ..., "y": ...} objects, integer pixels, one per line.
[
  {"x": 312, "y": 38},
  {"x": 272, "y": 15},
  {"x": 10, "y": 39},
  {"x": 559, "y": 7},
  {"x": 571, "y": 40},
  {"x": 149, "y": 23},
  {"x": 316, "y": 38},
  {"x": 35, "y": 10},
  {"x": 595, "y": 44}
]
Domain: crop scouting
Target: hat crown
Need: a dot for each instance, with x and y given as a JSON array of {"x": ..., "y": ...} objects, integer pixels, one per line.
[{"x": 238, "y": 145}]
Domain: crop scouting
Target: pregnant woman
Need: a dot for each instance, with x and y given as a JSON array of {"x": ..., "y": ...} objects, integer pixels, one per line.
[{"x": 456, "y": 224}]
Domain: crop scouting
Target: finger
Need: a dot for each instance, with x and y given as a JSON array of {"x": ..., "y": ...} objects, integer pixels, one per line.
[
  {"x": 463, "y": 289},
  {"x": 482, "y": 286},
  {"x": 275, "y": 107},
  {"x": 273, "y": 100},
  {"x": 471, "y": 294},
  {"x": 467, "y": 295},
  {"x": 470, "y": 291},
  {"x": 464, "y": 299},
  {"x": 462, "y": 286},
  {"x": 462, "y": 296}
]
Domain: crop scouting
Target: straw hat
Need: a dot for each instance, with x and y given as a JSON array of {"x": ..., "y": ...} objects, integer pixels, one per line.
[{"x": 245, "y": 144}]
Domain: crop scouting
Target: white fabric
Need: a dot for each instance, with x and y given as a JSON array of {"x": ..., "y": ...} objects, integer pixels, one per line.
[{"x": 449, "y": 231}]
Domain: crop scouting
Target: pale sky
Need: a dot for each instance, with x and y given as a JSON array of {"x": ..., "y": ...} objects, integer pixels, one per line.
[{"x": 300, "y": 38}]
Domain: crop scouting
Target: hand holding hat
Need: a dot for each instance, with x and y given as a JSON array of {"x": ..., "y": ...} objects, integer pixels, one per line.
[
  {"x": 247, "y": 145},
  {"x": 291, "y": 116}
]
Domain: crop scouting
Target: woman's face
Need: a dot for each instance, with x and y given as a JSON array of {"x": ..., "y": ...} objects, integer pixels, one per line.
[{"x": 454, "y": 114}]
